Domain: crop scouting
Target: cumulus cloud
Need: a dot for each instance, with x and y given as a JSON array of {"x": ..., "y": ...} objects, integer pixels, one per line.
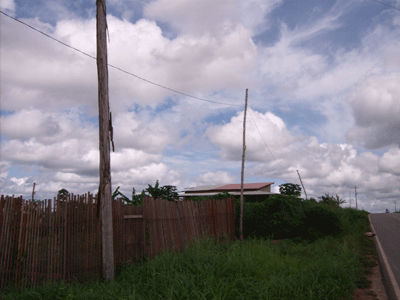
[
  {"x": 52, "y": 140},
  {"x": 230, "y": 136},
  {"x": 219, "y": 177},
  {"x": 49, "y": 96},
  {"x": 200, "y": 17},
  {"x": 390, "y": 162},
  {"x": 151, "y": 135},
  {"x": 324, "y": 167},
  {"x": 7, "y": 5},
  {"x": 376, "y": 106},
  {"x": 140, "y": 176},
  {"x": 64, "y": 145},
  {"x": 184, "y": 63},
  {"x": 53, "y": 71},
  {"x": 54, "y": 77}
]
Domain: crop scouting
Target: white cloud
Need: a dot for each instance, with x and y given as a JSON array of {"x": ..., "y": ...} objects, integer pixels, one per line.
[
  {"x": 63, "y": 142},
  {"x": 64, "y": 150},
  {"x": 56, "y": 77},
  {"x": 219, "y": 177},
  {"x": 140, "y": 176},
  {"x": 49, "y": 95},
  {"x": 324, "y": 167},
  {"x": 198, "y": 17},
  {"x": 230, "y": 136},
  {"x": 54, "y": 141},
  {"x": 376, "y": 106},
  {"x": 7, "y": 5},
  {"x": 390, "y": 162},
  {"x": 151, "y": 135},
  {"x": 185, "y": 63}
]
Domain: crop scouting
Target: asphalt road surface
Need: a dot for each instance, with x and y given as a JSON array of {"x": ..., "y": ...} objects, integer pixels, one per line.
[{"x": 387, "y": 229}]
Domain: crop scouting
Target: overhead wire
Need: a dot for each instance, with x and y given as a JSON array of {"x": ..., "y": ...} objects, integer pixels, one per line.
[
  {"x": 49, "y": 36},
  {"x": 146, "y": 80},
  {"x": 391, "y": 6},
  {"x": 120, "y": 69},
  {"x": 265, "y": 143}
]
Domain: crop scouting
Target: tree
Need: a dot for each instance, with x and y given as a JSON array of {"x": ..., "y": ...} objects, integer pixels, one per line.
[
  {"x": 136, "y": 199},
  {"x": 166, "y": 192},
  {"x": 331, "y": 200},
  {"x": 290, "y": 189},
  {"x": 169, "y": 193},
  {"x": 155, "y": 192},
  {"x": 63, "y": 193}
]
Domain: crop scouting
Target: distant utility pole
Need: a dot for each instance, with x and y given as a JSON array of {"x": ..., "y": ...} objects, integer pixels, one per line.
[
  {"x": 350, "y": 198},
  {"x": 33, "y": 191},
  {"x": 304, "y": 189},
  {"x": 104, "y": 143},
  {"x": 242, "y": 179},
  {"x": 355, "y": 195}
]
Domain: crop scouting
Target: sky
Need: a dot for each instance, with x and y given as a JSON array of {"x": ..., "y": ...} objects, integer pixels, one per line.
[{"x": 323, "y": 80}]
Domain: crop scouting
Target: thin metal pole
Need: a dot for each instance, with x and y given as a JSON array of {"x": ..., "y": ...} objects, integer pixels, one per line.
[{"x": 242, "y": 177}]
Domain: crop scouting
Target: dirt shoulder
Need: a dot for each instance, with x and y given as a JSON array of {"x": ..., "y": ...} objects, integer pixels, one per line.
[{"x": 376, "y": 290}]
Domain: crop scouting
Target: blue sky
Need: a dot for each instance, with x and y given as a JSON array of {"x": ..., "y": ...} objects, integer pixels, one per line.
[{"x": 324, "y": 95}]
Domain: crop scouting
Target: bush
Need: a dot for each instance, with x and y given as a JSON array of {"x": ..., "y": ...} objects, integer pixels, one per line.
[
  {"x": 277, "y": 217},
  {"x": 320, "y": 221},
  {"x": 283, "y": 217}
]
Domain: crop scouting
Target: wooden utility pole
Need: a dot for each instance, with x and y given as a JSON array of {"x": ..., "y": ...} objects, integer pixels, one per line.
[
  {"x": 304, "y": 189},
  {"x": 104, "y": 143},
  {"x": 33, "y": 191},
  {"x": 355, "y": 195},
  {"x": 350, "y": 198},
  {"x": 242, "y": 177}
]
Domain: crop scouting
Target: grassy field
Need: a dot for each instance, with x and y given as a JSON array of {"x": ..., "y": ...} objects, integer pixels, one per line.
[{"x": 328, "y": 268}]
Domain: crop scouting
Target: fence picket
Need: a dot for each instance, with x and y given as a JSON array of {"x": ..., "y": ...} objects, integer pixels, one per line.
[{"x": 61, "y": 238}]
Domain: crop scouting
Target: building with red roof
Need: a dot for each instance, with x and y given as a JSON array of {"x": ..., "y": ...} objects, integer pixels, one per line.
[{"x": 252, "y": 191}]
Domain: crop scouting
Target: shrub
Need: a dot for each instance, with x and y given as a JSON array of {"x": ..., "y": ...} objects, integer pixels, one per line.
[
  {"x": 277, "y": 217},
  {"x": 283, "y": 217},
  {"x": 320, "y": 221}
]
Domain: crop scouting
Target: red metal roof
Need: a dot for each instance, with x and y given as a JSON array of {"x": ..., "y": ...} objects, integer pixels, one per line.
[{"x": 246, "y": 186}]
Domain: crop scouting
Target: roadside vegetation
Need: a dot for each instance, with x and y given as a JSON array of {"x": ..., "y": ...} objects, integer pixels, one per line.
[{"x": 293, "y": 249}]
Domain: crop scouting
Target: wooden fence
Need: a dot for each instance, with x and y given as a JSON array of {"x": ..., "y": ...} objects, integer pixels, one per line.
[{"x": 60, "y": 239}]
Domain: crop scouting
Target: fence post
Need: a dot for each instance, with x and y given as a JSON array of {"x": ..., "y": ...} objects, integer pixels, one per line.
[{"x": 15, "y": 225}]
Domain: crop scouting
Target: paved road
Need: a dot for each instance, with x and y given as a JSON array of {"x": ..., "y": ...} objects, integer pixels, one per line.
[{"x": 387, "y": 229}]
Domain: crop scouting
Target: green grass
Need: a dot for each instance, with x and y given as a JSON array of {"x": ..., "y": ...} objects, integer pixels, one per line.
[
  {"x": 252, "y": 269},
  {"x": 328, "y": 268}
]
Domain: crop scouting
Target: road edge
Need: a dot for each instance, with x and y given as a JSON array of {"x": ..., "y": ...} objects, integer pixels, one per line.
[{"x": 392, "y": 288}]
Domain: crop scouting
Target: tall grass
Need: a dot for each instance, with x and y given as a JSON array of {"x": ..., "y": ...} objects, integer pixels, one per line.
[
  {"x": 251, "y": 269},
  {"x": 327, "y": 268}
]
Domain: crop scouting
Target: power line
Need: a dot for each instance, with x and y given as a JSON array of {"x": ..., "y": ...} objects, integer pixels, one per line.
[
  {"x": 386, "y": 4},
  {"x": 49, "y": 36},
  {"x": 119, "y": 69},
  {"x": 172, "y": 90},
  {"x": 265, "y": 142},
  {"x": 144, "y": 79}
]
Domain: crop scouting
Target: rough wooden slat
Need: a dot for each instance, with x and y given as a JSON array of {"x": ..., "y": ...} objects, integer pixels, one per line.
[
  {"x": 59, "y": 239},
  {"x": 133, "y": 217},
  {"x": 4, "y": 249},
  {"x": 167, "y": 242},
  {"x": 159, "y": 226}
]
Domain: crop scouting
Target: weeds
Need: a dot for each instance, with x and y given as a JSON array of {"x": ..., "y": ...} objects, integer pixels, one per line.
[
  {"x": 251, "y": 269},
  {"x": 327, "y": 268}
]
